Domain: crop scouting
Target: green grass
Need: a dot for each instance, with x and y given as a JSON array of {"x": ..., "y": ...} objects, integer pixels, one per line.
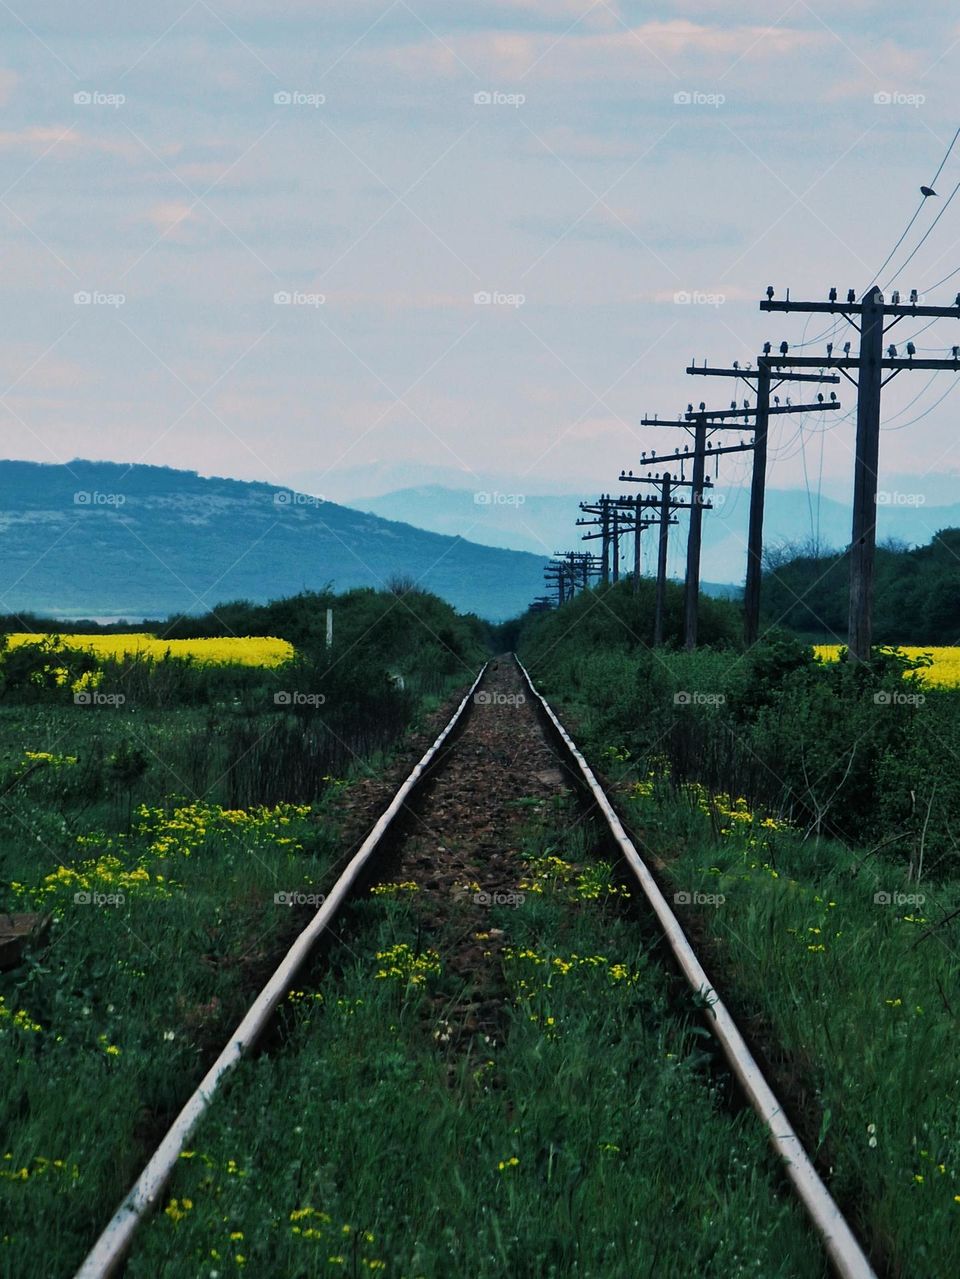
[
  {"x": 587, "y": 1135},
  {"x": 163, "y": 926},
  {"x": 856, "y": 998},
  {"x": 111, "y": 1023}
]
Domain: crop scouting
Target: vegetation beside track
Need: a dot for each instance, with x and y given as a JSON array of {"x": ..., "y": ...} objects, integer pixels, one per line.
[
  {"x": 804, "y": 814},
  {"x": 586, "y": 1136},
  {"x": 157, "y": 827}
]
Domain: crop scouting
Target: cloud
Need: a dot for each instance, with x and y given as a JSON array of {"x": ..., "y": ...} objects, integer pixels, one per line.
[
  {"x": 170, "y": 217},
  {"x": 622, "y": 226},
  {"x": 63, "y": 136},
  {"x": 582, "y": 56}
]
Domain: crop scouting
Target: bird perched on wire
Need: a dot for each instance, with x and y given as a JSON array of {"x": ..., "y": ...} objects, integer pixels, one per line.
[{"x": 927, "y": 191}]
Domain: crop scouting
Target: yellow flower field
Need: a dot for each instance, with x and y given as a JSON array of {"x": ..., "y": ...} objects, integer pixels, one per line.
[
  {"x": 244, "y": 650},
  {"x": 944, "y": 672}
]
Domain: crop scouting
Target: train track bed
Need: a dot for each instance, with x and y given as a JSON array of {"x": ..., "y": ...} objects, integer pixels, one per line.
[{"x": 486, "y": 1074}]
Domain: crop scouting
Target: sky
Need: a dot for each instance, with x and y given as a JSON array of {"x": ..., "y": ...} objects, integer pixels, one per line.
[{"x": 342, "y": 246}]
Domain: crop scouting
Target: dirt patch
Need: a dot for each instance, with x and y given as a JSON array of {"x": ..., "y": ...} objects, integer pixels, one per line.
[{"x": 464, "y": 849}]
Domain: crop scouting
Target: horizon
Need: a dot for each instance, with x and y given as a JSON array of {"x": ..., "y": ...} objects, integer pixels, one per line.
[{"x": 380, "y": 185}]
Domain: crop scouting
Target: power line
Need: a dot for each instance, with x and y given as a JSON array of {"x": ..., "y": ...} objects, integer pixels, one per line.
[
  {"x": 919, "y": 418},
  {"x": 923, "y": 201},
  {"x": 924, "y": 237},
  {"x": 830, "y": 332}
]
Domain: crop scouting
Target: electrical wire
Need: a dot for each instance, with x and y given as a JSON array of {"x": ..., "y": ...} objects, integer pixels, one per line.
[
  {"x": 923, "y": 239},
  {"x": 931, "y": 184},
  {"x": 920, "y": 416}
]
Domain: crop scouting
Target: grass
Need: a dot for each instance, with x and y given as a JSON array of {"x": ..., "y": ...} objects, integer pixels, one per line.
[
  {"x": 587, "y": 1135},
  {"x": 844, "y": 975},
  {"x": 157, "y": 943},
  {"x": 167, "y": 905}
]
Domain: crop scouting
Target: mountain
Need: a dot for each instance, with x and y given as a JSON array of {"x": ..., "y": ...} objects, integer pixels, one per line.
[
  {"x": 905, "y": 512},
  {"x": 497, "y": 517},
  {"x": 102, "y": 539}
]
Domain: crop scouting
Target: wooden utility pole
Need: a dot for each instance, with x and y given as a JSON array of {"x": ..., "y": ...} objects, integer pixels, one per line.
[
  {"x": 698, "y": 485},
  {"x": 703, "y": 421},
  {"x": 871, "y": 312},
  {"x": 694, "y": 537},
  {"x": 761, "y": 382},
  {"x": 661, "y": 597},
  {"x": 569, "y": 571},
  {"x": 638, "y": 527},
  {"x": 668, "y": 484},
  {"x": 758, "y": 490},
  {"x": 632, "y": 514},
  {"x": 605, "y": 518},
  {"x": 638, "y": 513},
  {"x": 863, "y": 539}
]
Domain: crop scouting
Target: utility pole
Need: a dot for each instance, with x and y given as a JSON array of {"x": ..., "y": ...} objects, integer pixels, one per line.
[
  {"x": 638, "y": 527},
  {"x": 863, "y": 540},
  {"x": 606, "y": 508},
  {"x": 661, "y": 597},
  {"x": 605, "y": 518},
  {"x": 871, "y": 312},
  {"x": 570, "y": 570},
  {"x": 632, "y": 514},
  {"x": 694, "y": 536},
  {"x": 760, "y": 379},
  {"x": 701, "y": 420},
  {"x": 616, "y": 545},
  {"x": 665, "y": 504}
]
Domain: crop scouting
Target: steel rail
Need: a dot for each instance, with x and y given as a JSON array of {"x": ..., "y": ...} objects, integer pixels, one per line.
[
  {"x": 114, "y": 1241},
  {"x": 839, "y": 1241}
]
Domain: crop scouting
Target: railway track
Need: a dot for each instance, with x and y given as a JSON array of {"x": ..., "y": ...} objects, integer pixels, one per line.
[{"x": 453, "y": 828}]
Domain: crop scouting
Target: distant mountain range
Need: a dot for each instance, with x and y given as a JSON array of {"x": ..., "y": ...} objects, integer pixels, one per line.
[
  {"x": 106, "y": 540},
  {"x": 548, "y": 523}
]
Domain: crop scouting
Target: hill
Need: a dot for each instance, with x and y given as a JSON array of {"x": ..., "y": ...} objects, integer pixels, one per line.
[
  {"x": 914, "y": 509},
  {"x": 103, "y": 539}
]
